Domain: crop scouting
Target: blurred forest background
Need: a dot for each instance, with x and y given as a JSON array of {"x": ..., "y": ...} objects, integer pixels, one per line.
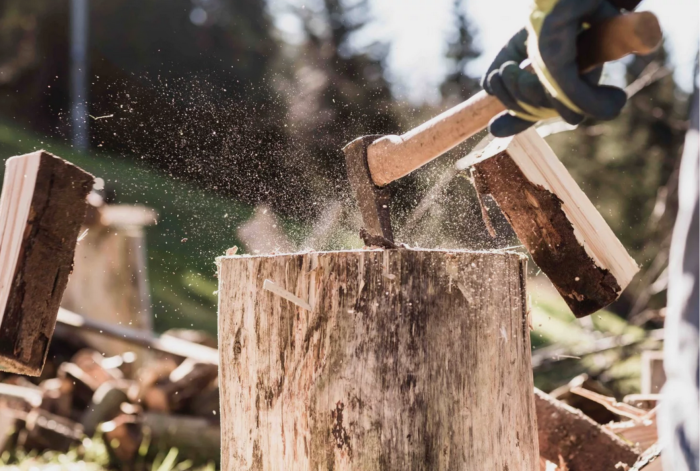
[{"x": 200, "y": 110}]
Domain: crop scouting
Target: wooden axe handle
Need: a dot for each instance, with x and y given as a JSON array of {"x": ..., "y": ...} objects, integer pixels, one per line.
[{"x": 392, "y": 157}]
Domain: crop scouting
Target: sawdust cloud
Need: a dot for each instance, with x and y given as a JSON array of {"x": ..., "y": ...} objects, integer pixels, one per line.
[{"x": 198, "y": 130}]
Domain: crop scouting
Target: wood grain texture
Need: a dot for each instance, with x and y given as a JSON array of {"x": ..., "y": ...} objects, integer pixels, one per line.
[
  {"x": 57, "y": 209},
  {"x": 409, "y": 360}
]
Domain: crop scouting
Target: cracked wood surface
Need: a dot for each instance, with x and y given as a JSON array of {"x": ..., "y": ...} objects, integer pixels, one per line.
[{"x": 408, "y": 360}]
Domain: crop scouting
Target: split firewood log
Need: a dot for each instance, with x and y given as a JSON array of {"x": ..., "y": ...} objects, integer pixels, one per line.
[
  {"x": 57, "y": 396},
  {"x": 185, "y": 382},
  {"x": 206, "y": 404},
  {"x": 123, "y": 437},
  {"x": 84, "y": 386},
  {"x": 151, "y": 373},
  {"x": 46, "y": 431},
  {"x": 565, "y": 434}
]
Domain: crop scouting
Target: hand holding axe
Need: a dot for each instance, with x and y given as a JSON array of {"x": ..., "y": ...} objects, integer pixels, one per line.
[{"x": 375, "y": 161}]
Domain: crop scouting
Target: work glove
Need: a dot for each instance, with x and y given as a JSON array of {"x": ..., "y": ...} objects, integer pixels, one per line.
[{"x": 556, "y": 88}]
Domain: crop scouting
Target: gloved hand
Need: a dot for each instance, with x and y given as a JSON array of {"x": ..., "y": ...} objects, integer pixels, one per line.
[{"x": 556, "y": 88}]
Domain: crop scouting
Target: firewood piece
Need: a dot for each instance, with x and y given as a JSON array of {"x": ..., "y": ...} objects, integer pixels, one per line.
[
  {"x": 592, "y": 409},
  {"x": 583, "y": 444},
  {"x": 149, "y": 375},
  {"x": 105, "y": 405},
  {"x": 642, "y": 401},
  {"x": 565, "y": 234},
  {"x": 641, "y": 434},
  {"x": 41, "y": 209},
  {"x": 185, "y": 382},
  {"x": 613, "y": 405},
  {"x": 31, "y": 396},
  {"x": 409, "y": 359},
  {"x": 123, "y": 364},
  {"x": 57, "y": 396},
  {"x": 91, "y": 362},
  {"x": 84, "y": 385},
  {"x": 196, "y": 438},
  {"x": 46, "y": 431},
  {"x": 9, "y": 426},
  {"x": 123, "y": 437},
  {"x": 206, "y": 404},
  {"x": 650, "y": 460}
]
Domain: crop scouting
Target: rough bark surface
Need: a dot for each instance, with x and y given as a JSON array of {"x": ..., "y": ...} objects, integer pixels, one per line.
[
  {"x": 540, "y": 223},
  {"x": 582, "y": 444},
  {"x": 57, "y": 210},
  {"x": 408, "y": 360}
]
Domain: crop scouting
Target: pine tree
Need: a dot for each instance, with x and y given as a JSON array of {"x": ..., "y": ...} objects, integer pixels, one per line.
[
  {"x": 335, "y": 94},
  {"x": 459, "y": 86}
]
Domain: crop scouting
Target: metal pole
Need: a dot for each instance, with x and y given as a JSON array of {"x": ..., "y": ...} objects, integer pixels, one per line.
[{"x": 78, "y": 77}]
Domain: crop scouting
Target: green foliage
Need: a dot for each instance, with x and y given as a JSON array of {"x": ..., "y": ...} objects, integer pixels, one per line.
[{"x": 92, "y": 455}]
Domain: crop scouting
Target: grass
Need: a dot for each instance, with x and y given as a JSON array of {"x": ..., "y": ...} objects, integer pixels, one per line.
[
  {"x": 92, "y": 455},
  {"x": 181, "y": 273}
]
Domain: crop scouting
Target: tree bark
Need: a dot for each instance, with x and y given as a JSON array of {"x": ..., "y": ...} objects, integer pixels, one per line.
[
  {"x": 40, "y": 272},
  {"x": 376, "y": 360}
]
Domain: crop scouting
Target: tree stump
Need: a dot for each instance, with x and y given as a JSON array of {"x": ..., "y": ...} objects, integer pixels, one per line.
[{"x": 376, "y": 360}]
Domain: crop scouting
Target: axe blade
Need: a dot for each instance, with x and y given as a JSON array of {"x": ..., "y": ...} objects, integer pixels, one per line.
[{"x": 374, "y": 202}]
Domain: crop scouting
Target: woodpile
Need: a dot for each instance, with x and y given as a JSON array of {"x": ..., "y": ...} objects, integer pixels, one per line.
[{"x": 171, "y": 401}]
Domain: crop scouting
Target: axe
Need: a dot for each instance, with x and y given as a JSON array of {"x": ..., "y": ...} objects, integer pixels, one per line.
[
  {"x": 375, "y": 161},
  {"x": 565, "y": 235}
]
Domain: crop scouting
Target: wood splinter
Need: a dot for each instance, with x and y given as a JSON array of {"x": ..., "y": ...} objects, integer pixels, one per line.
[{"x": 270, "y": 286}]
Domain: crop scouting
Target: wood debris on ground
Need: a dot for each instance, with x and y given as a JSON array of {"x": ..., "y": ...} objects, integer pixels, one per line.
[
  {"x": 173, "y": 401},
  {"x": 170, "y": 401}
]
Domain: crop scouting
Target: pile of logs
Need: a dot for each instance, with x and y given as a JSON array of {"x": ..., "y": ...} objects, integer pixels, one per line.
[{"x": 170, "y": 401}]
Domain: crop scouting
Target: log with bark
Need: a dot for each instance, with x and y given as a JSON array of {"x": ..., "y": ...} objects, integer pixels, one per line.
[
  {"x": 195, "y": 438},
  {"x": 567, "y": 435},
  {"x": 565, "y": 234},
  {"x": 41, "y": 209},
  {"x": 376, "y": 359},
  {"x": 174, "y": 392}
]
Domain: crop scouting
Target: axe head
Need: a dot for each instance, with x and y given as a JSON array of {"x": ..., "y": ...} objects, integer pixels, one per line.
[{"x": 374, "y": 202}]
